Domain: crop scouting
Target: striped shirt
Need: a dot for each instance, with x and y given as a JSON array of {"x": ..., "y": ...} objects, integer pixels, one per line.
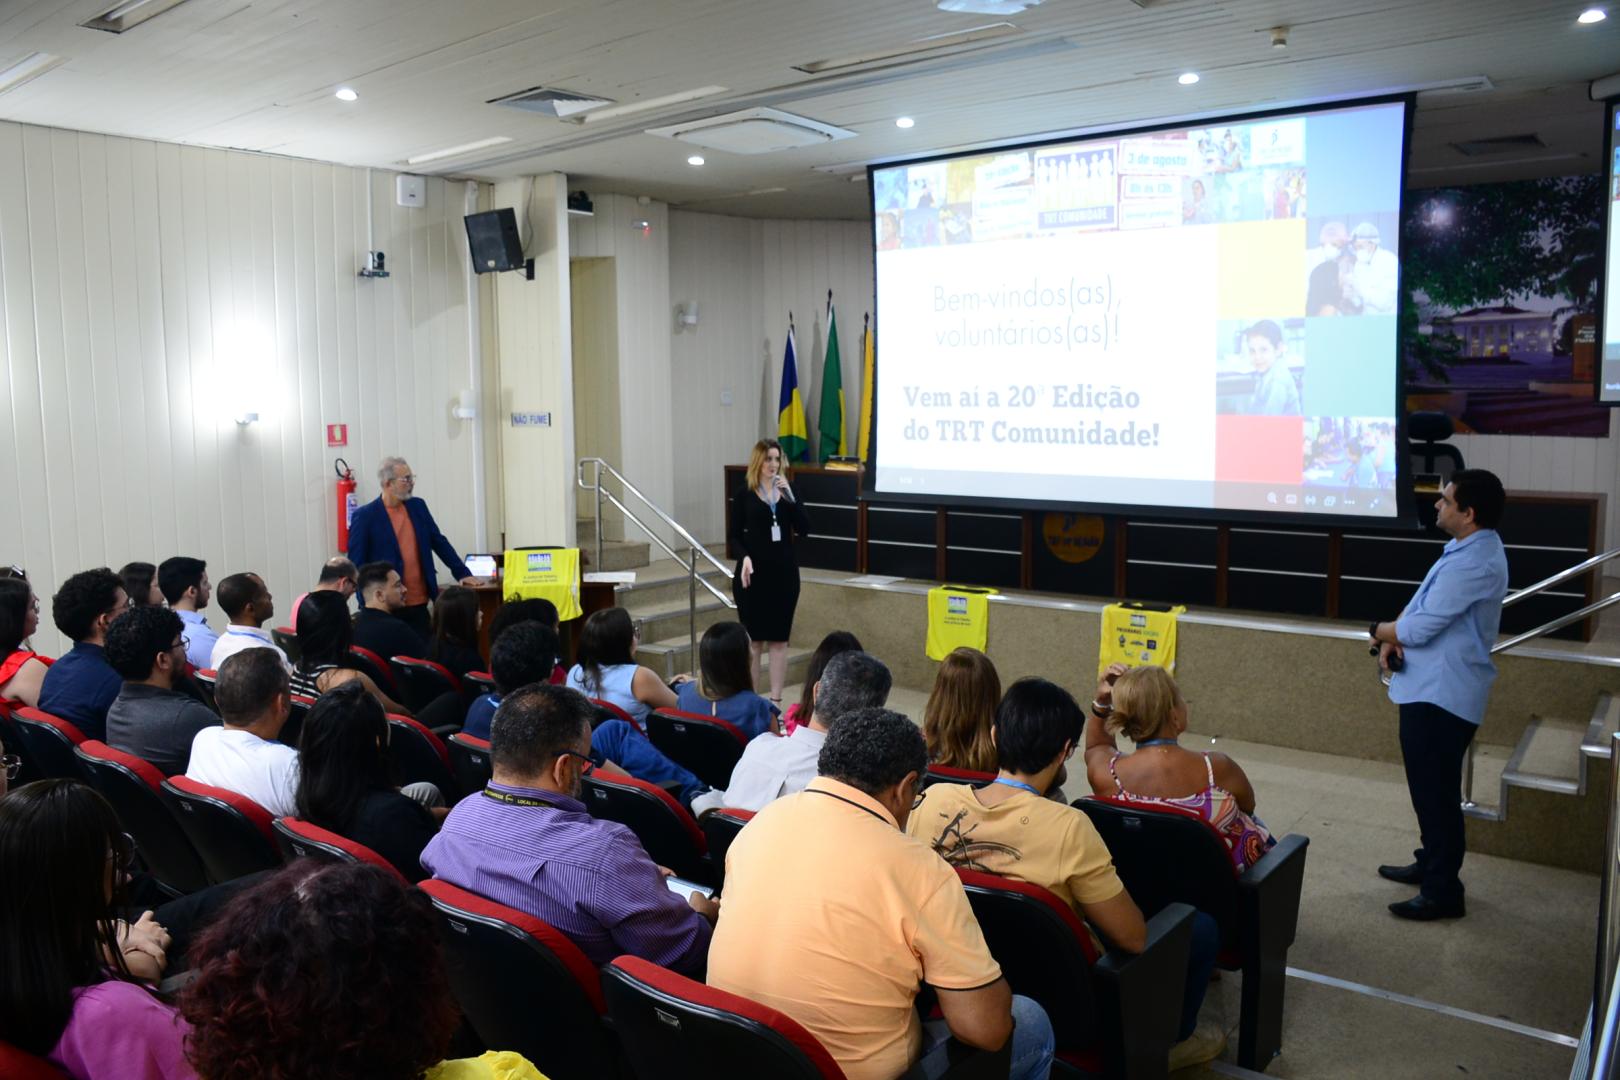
[{"x": 590, "y": 879}]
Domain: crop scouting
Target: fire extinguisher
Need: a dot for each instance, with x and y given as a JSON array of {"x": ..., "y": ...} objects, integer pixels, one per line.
[{"x": 346, "y": 502}]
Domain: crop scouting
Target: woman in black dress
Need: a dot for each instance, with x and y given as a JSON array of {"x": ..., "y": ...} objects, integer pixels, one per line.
[{"x": 764, "y": 516}]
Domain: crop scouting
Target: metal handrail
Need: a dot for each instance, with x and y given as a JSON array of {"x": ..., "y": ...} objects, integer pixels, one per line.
[
  {"x": 694, "y": 546},
  {"x": 1555, "y": 624},
  {"x": 1559, "y": 578}
]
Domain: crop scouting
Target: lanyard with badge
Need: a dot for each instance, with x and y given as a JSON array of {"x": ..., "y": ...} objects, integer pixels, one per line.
[{"x": 776, "y": 530}]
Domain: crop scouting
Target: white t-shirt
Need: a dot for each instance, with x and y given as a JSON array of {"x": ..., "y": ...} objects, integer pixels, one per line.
[
  {"x": 771, "y": 767},
  {"x": 240, "y": 761},
  {"x": 236, "y": 638}
]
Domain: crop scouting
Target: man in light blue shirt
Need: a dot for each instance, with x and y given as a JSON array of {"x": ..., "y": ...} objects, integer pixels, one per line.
[
  {"x": 1440, "y": 652},
  {"x": 184, "y": 584}
]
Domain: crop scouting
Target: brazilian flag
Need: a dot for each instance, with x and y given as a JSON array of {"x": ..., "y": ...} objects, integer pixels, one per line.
[
  {"x": 830, "y": 418},
  {"x": 791, "y": 430}
]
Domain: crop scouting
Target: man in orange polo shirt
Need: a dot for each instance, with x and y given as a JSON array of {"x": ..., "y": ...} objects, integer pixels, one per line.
[
  {"x": 833, "y": 915},
  {"x": 398, "y": 529}
]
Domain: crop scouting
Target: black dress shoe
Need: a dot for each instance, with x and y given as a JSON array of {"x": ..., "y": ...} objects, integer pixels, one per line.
[
  {"x": 1410, "y": 874},
  {"x": 1422, "y": 909}
]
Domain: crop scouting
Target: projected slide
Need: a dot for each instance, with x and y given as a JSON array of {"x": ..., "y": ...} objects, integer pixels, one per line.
[
  {"x": 1609, "y": 382},
  {"x": 1200, "y": 318}
]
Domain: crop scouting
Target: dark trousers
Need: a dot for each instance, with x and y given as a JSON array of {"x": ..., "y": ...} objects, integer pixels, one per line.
[
  {"x": 1433, "y": 743},
  {"x": 419, "y": 618},
  {"x": 1206, "y": 944}
]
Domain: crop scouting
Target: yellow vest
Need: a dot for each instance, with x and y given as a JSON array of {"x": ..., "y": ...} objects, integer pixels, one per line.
[
  {"x": 957, "y": 616},
  {"x": 1134, "y": 636},
  {"x": 552, "y": 575}
]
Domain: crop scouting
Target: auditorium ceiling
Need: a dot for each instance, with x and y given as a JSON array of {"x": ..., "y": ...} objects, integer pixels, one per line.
[{"x": 261, "y": 75}]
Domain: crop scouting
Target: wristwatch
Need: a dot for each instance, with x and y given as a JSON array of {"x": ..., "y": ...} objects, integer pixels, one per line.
[{"x": 1372, "y": 629}]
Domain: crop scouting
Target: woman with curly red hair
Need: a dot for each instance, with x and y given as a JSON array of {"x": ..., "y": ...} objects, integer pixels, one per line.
[{"x": 327, "y": 969}]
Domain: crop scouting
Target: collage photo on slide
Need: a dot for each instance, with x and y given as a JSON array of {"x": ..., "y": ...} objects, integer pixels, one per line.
[{"x": 1305, "y": 211}]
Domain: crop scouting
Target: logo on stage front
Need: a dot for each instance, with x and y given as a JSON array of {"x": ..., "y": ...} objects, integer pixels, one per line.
[
  {"x": 540, "y": 562},
  {"x": 956, "y": 605}
]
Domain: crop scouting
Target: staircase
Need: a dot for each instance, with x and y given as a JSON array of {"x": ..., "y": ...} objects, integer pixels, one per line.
[
  {"x": 1544, "y": 799},
  {"x": 658, "y": 598}
]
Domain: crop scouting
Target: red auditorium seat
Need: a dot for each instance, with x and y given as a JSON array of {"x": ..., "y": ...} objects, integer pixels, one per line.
[
  {"x": 422, "y": 681},
  {"x": 469, "y": 760},
  {"x": 373, "y": 665},
  {"x": 299, "y": 840},
  {"x": 664, "y": 827},
  {"x": 1112, "y": 1015},
  {"x": 706, "y": 745},
  {"x": 46, "y": 743},
  {"x": 948, "y": 774},
  {"x": 231, "y": 832},
  {"x": 135, "y": 789},
  {"x": 671, "y": 1026},
  {"x": 524, "y": 986},
  {"x": 720, "y": 828},
  {"x": 606, "y": 710},
  {"x": 420, "y": 755},
  {"x": 1169, "y": 856},
  {"x": 18, "y": 1064},
  {"x": 478, "y": 683},
  {"x": 286, "y": 638}
]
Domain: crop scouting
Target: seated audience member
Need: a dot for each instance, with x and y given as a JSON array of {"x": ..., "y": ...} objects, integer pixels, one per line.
[
  {"x": 346, "y": 781},
  {"x": 382, "y": 593},
  {"x": 455, "y": 631},
  {"x": 724, "y": 687},
  {"x": 527, "y": 841},
  {"x": 243, "y": 755},
  {"x": 324, "y": 636},
  {"x": 532, "y": 609},
  {"x": 771, "y": 767},
  {"x": 607, "y": 669},
  {"x": 851, "y": 973},
  {"x": 526, "y": 653},
  {"x": 72, "y": 986},
  {"x": 22, "y": 670},
  {"x": 328, "y": 969},
  {"x": 247, "y": 603},
  {"x": 1145, "y": 704},
  {"x": 961, "y": 708},
  {"x": 140, "y": 582},
  {"x": 337, "y": 575},
  {"x": 150, "y": 717},
  {"x": 184, "y": 583},
  {"x": 834, "y": 643},
  {"x": 81, "y": 686},
  {"x": 1010, "y": 828}
]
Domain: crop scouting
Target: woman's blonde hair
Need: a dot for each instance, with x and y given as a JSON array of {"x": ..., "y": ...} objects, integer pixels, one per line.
[
  {"x": 1143, "y": 699},
  {"x": 961, "y": 710},
  {"x": 756, "y": 461}
]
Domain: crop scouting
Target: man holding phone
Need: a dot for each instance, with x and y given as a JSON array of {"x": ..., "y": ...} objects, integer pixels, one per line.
[{"x": 1439, "y": 654}]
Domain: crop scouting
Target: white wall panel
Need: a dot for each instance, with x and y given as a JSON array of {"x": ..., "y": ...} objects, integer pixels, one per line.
[
  {"x": 147, "y": 289},
  {"x": 746, "y": 275}
]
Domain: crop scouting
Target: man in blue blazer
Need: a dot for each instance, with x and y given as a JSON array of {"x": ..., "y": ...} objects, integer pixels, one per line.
[{"x": 398, "y": 529}]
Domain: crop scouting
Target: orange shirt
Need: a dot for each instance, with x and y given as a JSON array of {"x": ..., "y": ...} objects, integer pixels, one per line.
[
  {"x": 835, "y": 917},
  {"x": 415, "y": 588}
]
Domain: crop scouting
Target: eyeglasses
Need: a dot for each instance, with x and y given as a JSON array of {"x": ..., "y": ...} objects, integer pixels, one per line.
[
  {"x": 13, "y": 765},
  {"x": 15, "y": 571},
  {"x": 591, "y": 760}
]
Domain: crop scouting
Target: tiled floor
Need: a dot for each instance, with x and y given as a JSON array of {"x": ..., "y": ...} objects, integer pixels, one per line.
[{"x": 1524, "y": 954}]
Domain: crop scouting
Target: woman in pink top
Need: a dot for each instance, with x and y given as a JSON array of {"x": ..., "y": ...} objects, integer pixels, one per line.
[
  {"x": 67, "y": 991},
  {"x": 1146, "y": 705}
]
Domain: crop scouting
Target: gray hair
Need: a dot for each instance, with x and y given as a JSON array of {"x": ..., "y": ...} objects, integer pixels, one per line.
[
  {"x": 385, "y": 471},
  {"x": 851, "y": 680}
]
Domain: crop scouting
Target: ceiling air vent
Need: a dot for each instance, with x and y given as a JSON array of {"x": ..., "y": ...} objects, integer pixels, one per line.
[
  {"x": 754, "y": 131},
  {"x": 1502, "y": 144},
  {"x": 549, "y": 101}
]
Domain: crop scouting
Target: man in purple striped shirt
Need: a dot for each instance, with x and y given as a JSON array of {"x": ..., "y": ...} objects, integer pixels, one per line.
[{"x": 526, "y": 841}]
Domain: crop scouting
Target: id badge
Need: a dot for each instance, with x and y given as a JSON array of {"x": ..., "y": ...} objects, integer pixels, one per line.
[{"x": 776, "y": 534}]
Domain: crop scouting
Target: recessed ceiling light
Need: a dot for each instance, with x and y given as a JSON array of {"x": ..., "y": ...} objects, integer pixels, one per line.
[
  {"x": 29, "y": 67},
  {"x": 905, "y": 122},
  {"x": 1592, "y": 15},
  {"x": 458, "y": 151},
  {"x": 1188, "y": 78},
  {"x": 346, "y": 94},
  {"x": 695, "y": 159},
  {"x": 986, "y": 7}
]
